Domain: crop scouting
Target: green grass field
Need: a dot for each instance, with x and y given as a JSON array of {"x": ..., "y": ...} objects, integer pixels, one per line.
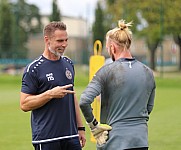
[{"x": 164, "y": 123}]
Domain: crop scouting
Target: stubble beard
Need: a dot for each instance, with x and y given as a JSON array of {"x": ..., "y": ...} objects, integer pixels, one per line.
[{"x": 57, "y": 54}]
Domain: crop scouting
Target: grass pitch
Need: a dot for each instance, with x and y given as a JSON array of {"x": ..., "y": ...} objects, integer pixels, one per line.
[{"x": 164, "y": 124}]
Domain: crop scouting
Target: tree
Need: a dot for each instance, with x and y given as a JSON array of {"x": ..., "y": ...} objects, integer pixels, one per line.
[
  {"x": 133, "y": 10},
  {"x": 98, "y": 28},
  {"x": 172, "y": 23},
  {"x": 17, "y": 21},
  {"x": 153, "y": 32},
  {"x": 177, "y": 39},
  {"x": 56, "y": 16},
  {"x": 152, "y": 23},
  {"x": 6, "y": 22},
  {"x": 163, "y": 19},
  {"x": 26, "y": 22},
  {"x": 113, "y": 12}
]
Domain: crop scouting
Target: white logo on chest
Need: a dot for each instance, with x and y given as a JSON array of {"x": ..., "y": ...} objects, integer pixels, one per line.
[{"x": 50, "y": 76}]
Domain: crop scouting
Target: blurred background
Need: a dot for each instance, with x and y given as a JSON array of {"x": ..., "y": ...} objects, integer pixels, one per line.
[
  {"x": 156, "y": 29},
  {"x": 156, "y": 42}
]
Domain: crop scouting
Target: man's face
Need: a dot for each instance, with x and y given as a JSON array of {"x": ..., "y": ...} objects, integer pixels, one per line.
[{"x": 58, "y": 42}]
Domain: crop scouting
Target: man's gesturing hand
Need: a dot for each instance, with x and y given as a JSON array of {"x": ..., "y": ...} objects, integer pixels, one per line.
[{"x": 60, "y": 91}]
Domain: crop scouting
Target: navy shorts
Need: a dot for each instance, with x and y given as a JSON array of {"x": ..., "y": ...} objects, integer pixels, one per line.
[{"x": 64, "y": 144}]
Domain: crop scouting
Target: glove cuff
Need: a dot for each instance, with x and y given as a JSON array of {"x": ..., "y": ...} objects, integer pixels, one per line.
[{"x": 93, "y": 124}]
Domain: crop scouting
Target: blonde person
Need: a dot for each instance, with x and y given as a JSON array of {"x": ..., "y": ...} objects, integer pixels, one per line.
[
  {"x": 47, "y": 91},
  {"x": 127, "y": 89}
]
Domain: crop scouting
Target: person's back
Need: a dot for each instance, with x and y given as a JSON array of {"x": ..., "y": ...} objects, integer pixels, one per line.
[
  {"x": 126, "y": 102},
  {"x": 127, "y": 89}
]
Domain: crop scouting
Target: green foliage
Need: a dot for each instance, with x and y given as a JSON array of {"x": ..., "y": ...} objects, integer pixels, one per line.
[
  {"x": 25, "y": 17},
  {"x": 152, "y": 23},
  {"x": 16, "y": 23},
  {"x": 155, "y": 13},
  {"x": 98, "y": 26},
  {"x": 6, "y": 21},
  {"x": 56, "y": 16}
]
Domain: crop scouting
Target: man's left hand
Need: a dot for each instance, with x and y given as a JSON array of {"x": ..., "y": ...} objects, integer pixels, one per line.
[{"x": 82, "y": 138}]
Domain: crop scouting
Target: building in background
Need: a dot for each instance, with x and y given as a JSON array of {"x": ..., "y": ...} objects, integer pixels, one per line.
[
  {"x": 80, "y": 46},
  {"x": 78, "y": 33}
]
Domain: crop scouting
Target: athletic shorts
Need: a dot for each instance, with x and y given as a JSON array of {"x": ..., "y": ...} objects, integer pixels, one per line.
[{"x": 64, "y": 144}]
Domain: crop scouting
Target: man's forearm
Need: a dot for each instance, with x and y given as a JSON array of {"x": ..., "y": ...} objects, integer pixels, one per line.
[
  {"x": 31, "y": 102},
  {"x": 78, "y": 115},
  {"x": 86, "y": 110}
]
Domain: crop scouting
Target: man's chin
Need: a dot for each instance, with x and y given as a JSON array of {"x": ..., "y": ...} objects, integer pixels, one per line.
[
  {"x": 61, "y": 54},
  {"x": 57, "y": 54}
]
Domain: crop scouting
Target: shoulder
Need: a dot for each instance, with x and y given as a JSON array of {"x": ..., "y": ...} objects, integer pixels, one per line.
[
  {"x": 146, "y": 68},
  {"x": 34, "y": 64},
  {"x": 103, "y": 71},
  {"x": 68, "y": 60}
]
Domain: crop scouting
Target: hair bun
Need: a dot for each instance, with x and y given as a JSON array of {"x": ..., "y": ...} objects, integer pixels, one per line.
[{"x": 122, "y": 25}]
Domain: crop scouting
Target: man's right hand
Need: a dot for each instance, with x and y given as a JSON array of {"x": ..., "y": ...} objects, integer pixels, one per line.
[
  {"x": 99, "y": 131},
  {"x": 60, "y": 91}
]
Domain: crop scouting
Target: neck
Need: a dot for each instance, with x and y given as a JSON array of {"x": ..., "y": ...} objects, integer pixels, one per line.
[{"x": 123, "y": 54}]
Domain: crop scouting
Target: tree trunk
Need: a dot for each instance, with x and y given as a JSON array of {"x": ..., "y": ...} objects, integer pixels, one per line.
[
  {"x": 152, "y": 59},
  {"x": 180, "y": 56},
  {"x": 152, "y": 47},
  {"x": 177, "y": 40}
]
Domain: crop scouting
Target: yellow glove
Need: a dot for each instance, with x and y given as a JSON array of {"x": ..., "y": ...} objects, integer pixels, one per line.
[{"x": 99, "y": 131}]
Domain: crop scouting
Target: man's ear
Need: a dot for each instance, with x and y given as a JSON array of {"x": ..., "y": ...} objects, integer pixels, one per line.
[
  {"x": 113, "y": 49},
  {"x": 46, "y": 39}
]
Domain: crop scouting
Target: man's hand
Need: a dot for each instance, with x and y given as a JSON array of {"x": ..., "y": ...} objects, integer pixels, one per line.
[
  {"x": 99, "y": 131},
  {"x": 60, "y": 91},
  {"x": 82, "y": 138}
]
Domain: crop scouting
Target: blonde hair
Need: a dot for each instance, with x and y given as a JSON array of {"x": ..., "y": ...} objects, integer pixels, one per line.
[{"x": 121, "y": 35}]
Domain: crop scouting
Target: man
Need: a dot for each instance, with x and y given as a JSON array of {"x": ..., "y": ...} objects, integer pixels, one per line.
[
  {"x": 47, "y": 91},
  {"x": 127, "y": 89}
]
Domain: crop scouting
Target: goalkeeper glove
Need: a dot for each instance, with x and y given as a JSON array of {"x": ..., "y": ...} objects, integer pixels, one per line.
[{"x": 99, "y": 131}]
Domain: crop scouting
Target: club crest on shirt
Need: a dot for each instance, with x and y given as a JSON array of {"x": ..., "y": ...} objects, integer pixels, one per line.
[{"x": 68, "y": 74}]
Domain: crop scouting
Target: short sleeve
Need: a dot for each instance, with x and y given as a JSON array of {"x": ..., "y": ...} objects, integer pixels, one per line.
[{"x": 29, "y": 83}]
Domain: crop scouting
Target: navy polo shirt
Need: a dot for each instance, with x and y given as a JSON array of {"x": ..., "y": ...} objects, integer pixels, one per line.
[{"x": 56, "y": 119}]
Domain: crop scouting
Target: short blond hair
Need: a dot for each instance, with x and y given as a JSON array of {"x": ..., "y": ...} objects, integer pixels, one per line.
[{"x": 121, "y": 35}]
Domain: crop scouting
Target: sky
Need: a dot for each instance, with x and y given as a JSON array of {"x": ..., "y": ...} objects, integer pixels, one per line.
[{"x": 75, "y": 8}]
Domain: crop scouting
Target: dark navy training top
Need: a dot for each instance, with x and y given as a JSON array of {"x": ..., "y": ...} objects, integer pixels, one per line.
[{"x": 56, "y": 119}]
